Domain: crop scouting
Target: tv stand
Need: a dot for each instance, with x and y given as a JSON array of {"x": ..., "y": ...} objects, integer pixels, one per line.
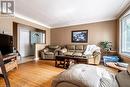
[{"x": 10, "y": 61}]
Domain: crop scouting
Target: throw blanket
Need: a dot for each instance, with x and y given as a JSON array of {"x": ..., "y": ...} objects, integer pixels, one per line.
[
  {"x": 90, "y": 49},
  {"x": 82, "y": 75}
]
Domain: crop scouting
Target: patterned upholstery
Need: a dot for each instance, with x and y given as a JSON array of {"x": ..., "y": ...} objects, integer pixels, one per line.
[
  {"x": 49, "y": 51},
  {"x": 78, "y": 50},
  {"x": 70, "y": 47},
  {"x": 69, "y": 53},
  {"x": 77, "y": 54},
  {"x": 79, "y": 47}
]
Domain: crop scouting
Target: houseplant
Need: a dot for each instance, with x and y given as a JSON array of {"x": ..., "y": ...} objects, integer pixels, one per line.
[{"x": 106, "y": 46}]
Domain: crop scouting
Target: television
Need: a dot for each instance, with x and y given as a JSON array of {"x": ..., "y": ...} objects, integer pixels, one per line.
[{"x": 6, "y": 44}]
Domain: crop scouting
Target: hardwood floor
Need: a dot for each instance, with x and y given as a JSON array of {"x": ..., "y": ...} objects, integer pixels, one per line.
[
  {"x": 25, "y": 59},
  {"x": 36, "y": 74},
  {"x": 33, "y": 74}
]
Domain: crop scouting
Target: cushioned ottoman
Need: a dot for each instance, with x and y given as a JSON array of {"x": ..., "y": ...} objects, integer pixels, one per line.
[{"x": 82, "y": 75}]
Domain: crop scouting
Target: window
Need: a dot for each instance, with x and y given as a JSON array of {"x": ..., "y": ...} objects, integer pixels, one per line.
[
  {"x": 44, "y": 37},
  {"x": 125, "y": 35},
  {"x": 38, "y": 37}
]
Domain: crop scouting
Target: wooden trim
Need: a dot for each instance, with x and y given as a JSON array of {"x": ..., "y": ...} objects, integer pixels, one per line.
[
  {"x": 15, "y": 34},
  {"x": 45, "y": 37},
  {"x": 124, "y": 11}
]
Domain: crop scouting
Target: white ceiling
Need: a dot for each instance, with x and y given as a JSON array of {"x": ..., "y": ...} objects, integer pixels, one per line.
[{"x": 60, "y": 13}]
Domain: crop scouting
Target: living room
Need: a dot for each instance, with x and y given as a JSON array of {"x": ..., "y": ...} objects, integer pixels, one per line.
[{"x": 71, "y": 33}]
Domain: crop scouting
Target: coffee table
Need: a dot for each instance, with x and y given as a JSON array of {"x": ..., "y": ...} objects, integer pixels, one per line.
[{"x": 65, "y": 61}]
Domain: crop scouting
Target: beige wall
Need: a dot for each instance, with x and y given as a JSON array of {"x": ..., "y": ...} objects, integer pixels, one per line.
[
  {"x": 6, "y": 24},
  {"x": 38, "y": 48},
  {"x": 100, "y": 31}
]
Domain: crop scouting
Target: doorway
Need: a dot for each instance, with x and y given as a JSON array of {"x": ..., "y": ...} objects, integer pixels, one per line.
[
  {"x": 24, "y": 39},
  {"x": 25, "y": 47}
]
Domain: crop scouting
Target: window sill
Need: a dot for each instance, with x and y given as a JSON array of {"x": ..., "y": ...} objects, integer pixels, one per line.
[{"x": 125, "y": 54}]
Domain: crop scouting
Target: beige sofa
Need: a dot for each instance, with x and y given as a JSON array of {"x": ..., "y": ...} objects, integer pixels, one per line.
[
  {"x": 78, "y": 50},
  {"x": 49, "y": 52}
]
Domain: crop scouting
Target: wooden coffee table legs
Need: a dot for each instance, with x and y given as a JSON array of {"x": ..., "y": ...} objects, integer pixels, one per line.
[
  {"x": 70, "y": 62},
  {"x": 59, "y": 62},
  {"x": 65, "y": 62}
]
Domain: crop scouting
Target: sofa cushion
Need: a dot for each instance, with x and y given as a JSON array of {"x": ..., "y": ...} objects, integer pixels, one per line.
[
  {"x": 77, "y": 54},
  {"x": 71, "y": 47},
  {"x": 68, "y": 53},
  {"x": 49, "y": 53},
  {"x": 79, "y": 51},
  {"x": 79, "y": 47},
  {"x": 71, "y": 50},
  {"x": 52, "y": 48},
  {"x": 63, "y": 50}
]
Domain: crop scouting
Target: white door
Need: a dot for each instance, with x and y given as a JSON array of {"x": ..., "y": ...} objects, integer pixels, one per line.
[{"x": 24, "y": 43}]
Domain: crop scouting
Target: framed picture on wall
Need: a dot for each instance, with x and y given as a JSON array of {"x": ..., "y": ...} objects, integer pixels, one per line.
[{"x": 79, "y": 36}]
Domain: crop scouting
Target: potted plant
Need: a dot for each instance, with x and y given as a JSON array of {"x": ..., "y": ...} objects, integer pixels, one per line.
[{"x": 106, "y": 46}]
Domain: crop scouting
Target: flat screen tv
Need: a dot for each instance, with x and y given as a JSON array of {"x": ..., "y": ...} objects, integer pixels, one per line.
[{"x": 6, "y": 44}]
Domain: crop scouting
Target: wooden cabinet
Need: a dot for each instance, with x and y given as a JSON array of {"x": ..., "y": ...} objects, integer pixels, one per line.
[{"x": 10, "y": 62}]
